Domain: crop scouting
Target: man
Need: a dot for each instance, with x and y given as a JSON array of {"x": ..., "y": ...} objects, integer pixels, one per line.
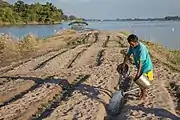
[{"x": 141, "y": 58}]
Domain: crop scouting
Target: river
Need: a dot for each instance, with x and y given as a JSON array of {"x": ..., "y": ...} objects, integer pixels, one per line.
[{"x": 166, "y": 33}]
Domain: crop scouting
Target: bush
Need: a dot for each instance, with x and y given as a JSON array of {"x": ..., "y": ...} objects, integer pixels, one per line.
[
  {"x": 28, "y": 43},
  {"x": 8, "y": 47},
  {"x": 14, "y": 50}
]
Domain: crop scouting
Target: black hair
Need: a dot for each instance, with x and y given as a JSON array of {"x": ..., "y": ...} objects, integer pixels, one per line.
[{"x": 132, "y": 38}]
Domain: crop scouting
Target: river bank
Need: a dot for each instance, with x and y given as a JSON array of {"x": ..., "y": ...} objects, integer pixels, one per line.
[{"x": 33, "y": 43}]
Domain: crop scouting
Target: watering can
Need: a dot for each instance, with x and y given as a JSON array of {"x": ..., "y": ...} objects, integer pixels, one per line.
[{"x": 117, "y": 101}]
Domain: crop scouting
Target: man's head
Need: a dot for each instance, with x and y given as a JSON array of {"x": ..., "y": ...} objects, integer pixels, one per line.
[{"x": 133, "y": 40}]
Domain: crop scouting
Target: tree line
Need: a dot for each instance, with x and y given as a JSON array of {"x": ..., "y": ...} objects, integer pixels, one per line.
[{"x": 21, "y": 13}]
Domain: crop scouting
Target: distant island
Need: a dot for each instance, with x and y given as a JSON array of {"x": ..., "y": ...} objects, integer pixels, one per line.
[
  {"x": 167, "y": 18},
  {"x": 21, "y": 13}
]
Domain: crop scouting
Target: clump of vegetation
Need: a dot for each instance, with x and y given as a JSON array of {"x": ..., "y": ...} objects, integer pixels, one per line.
[
  {"x": 8, "y": 47},
  {"x": 105, "y": 43},
  {"x": 28, "y": 43},
  {"x": 175, "y": 57},
  {"x": 99, "y": 57},
  {"x": 96, "y": 36},
  {"x": 21, "y": 13},
  {"x": 174, "y": 89},
  {"x": 78, "y": 40},
  {"x": 13, "y": 50},
  {"x": 174, "y": 86}
]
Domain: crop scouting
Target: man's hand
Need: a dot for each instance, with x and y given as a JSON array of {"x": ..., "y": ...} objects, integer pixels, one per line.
[{"x": 136, "y": 77}]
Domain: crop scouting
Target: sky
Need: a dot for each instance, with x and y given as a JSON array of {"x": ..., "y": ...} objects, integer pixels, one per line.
[{"x": 112, "y": 9}]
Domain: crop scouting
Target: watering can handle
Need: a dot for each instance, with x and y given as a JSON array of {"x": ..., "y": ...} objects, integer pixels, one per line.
[
  {"x": 130, "y": 91},
  {"x": 131, "y": 84}
]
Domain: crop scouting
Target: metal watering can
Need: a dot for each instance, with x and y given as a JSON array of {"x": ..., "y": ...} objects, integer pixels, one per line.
[
  {"x": 143, "y": 81},
  {"x": 117, "y": 101}
]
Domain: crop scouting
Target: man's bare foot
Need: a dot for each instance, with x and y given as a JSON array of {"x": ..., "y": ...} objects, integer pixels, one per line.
[
  {"x": 177, "y": 109},
  {"x": 143, "y": 94}
]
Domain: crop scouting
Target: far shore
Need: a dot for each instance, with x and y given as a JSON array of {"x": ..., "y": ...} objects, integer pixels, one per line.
[
  {"x": 93, "y": 20},
  {"x": 29, "y": 23}
]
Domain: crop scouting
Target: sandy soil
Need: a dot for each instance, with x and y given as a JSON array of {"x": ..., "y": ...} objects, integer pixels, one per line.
[{"x": 26, "y": 88}]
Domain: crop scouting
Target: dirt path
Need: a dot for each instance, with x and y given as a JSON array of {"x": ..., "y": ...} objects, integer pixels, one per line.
[{"x": 50, "y": 85}]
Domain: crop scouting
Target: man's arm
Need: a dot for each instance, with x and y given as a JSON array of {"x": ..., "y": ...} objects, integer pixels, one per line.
[
  {"x": 127, "y": 56},
  {"x": 139, "y": 69}
]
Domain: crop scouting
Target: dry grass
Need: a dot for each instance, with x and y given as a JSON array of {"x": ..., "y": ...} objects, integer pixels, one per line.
[
  {"x": 9, "y": 48},
  {"x": 66, "y": 32},
  {"x": 13, "y": 50},
  {"x": 126, "y": 33},
  {"x": 64, "y": 35},
  {"x": 28, "y": 44},
  {"x": 171, "y": 58},
  {"x": 175, "y": 57}
]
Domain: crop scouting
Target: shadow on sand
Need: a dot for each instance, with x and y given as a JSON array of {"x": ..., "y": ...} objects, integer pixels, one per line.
[
  {"x": 160, "y": 112},
  {"x": 92, "y": 92}
]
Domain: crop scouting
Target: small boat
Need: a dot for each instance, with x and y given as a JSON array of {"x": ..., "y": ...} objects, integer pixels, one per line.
[{"x": 78, "y": 25}]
